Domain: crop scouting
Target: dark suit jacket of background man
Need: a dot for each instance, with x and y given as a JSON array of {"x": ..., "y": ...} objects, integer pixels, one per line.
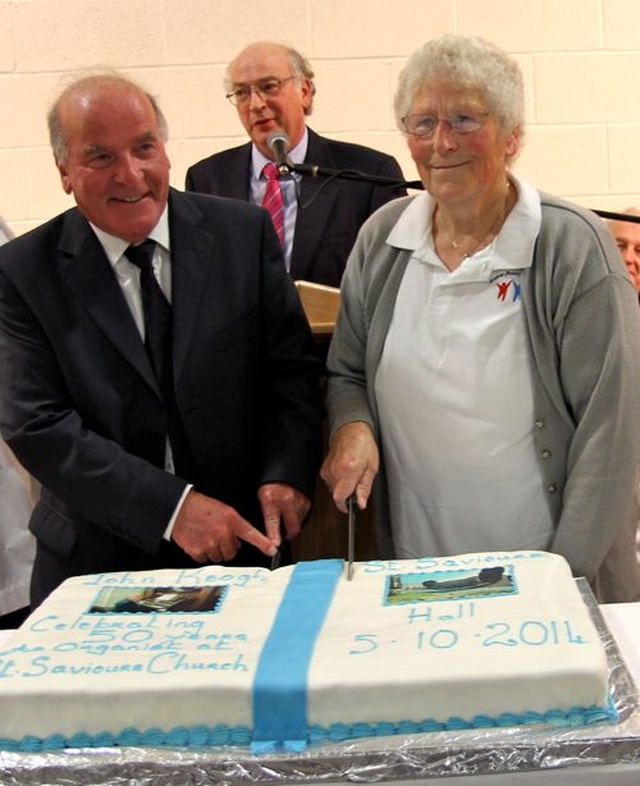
[
  {"x": 81, "y": 408},
  {"x": 325, "y": 231}
]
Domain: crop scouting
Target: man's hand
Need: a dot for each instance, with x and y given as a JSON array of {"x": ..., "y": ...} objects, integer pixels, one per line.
[
  {"x": 351, "y": 464},
  {"x": 210, "y": 531},
  {"x": 281, "y": 502}
]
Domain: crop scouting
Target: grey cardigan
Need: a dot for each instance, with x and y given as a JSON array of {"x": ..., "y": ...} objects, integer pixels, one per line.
[{"x": 583, "y": 326}]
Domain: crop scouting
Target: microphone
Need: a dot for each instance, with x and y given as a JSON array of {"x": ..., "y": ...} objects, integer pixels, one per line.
[{"x": 278, "y": 143}]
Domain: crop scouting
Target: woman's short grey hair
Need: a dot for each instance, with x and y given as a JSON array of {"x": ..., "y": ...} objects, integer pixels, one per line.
[
  {"x": 57, "y": 137},
  {"x": 470, "y": 64}
]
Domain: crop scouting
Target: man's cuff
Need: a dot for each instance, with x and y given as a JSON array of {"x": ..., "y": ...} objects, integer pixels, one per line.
[{"x": 172, "y": 521}]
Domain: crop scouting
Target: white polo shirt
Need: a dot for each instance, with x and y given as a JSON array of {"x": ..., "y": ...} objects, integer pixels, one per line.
[{"x": 454, "y": 394}]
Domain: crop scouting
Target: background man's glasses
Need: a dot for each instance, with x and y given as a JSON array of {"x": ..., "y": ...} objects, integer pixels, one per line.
[{"x": 266, "y": 88}]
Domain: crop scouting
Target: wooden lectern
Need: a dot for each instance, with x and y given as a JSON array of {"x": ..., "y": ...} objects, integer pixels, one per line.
[{"x": 321, "y": 304}]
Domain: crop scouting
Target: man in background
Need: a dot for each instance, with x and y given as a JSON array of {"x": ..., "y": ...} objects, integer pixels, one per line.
[
  {"x": 627, "y": 237},
  {"x": 272, "y": 87},
  {"x": 157, "y": 373}
]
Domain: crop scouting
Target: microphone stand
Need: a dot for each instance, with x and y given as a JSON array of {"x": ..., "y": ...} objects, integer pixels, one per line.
[
  {"x": 312, "y": 170},
  {"x": 618, "y": 216}
]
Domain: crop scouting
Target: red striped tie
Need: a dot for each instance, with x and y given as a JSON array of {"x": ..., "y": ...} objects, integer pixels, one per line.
[{"x": 273, "y": 200}]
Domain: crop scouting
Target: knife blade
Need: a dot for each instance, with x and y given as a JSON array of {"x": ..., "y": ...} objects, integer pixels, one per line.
[{"x": 351, "y": 501}]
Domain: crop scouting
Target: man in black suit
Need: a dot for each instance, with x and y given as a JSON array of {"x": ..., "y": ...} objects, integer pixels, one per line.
[
  {"x": 272, "y": 88},
  {"x": 142, "y": 467}
]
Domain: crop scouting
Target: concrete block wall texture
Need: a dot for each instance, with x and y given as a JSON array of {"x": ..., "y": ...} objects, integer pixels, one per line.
[{"x": 580, "y": 59}]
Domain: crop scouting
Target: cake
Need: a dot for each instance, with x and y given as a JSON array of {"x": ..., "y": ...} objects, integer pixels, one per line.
[{"x": 284, "y": 659}]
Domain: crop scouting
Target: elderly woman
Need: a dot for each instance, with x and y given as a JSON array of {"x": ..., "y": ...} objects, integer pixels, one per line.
[{"x": 485, "y": 368}]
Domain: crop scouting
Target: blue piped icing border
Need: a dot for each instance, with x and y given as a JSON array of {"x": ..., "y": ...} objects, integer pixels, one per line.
[
  {"x": 180, "y": 737},
  {"x": 241, "y": 736}
]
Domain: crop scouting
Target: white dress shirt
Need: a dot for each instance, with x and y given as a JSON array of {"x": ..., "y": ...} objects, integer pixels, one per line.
[{"x": 128, "y": 277}]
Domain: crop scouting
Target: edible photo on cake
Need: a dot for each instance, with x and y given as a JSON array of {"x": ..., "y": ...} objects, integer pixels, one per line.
[
  {"x": 449, "y": 585},
  {"x": 139, "y": 600}
]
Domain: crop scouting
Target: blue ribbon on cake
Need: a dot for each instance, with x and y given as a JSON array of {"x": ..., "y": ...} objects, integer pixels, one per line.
[{"x": 280, "y": 685}]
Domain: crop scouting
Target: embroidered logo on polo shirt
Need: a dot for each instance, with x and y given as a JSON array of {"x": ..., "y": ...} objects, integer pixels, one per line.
[{"x": 508, "y": 290}]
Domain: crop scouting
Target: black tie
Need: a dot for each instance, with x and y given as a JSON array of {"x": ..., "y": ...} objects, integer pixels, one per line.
[
  {"x": 157, "y": 327},
  {"x": 157, "y": 311}
]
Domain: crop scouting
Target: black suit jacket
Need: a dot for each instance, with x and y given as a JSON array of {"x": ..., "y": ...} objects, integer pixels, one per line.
[
  {"x": 325, "y": 230},
  {"x": 82, "y": 410}
]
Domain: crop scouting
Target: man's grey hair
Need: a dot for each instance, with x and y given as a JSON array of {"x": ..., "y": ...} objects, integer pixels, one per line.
[{"x": 87, "y": 83}]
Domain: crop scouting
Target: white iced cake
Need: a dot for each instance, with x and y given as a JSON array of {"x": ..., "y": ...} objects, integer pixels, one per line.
[{"x": 289, "y": 658}]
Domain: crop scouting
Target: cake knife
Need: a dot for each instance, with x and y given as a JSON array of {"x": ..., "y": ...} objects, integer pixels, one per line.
[{"x": 351, "y": 501}]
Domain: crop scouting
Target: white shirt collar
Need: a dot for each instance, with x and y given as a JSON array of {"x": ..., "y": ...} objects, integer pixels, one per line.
[
  {"x": 513, "y": 248},
  {"x": 114, "y": 247}
]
